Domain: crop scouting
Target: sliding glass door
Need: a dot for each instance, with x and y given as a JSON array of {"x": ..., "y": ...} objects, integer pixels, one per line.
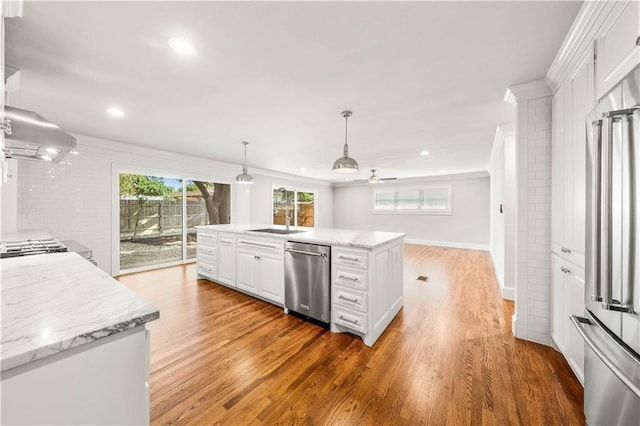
[{"x": 158, "y": 216}]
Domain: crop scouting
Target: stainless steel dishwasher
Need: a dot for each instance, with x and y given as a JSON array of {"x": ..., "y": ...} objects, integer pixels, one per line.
[{"x": 307, "y": 280}]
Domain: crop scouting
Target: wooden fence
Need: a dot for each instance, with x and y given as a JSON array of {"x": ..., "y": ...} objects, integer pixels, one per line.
[{"x": 156, "y": 218}]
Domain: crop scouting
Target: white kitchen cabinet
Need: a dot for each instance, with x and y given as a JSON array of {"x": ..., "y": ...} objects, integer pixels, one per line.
[
  {"x": 207, "y": 254},
  {"x": 367, "y": 289},
  {"x": 247, "y": 271},
  {"x": 261, "y": 268},
  {"x": 271, "y": 277},
  {"x": 568, "y": 294},
  {"x": 571, "y": 104},
  {"x": 102, "y": 382},
  {"x": 618, "y": 45},
  {"x": 227, "y": 259}
]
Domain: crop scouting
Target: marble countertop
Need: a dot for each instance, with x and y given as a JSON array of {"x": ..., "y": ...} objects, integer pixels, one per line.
[
  {"x": 341, "y": 237},
  {"x": 55, "y": 302}
]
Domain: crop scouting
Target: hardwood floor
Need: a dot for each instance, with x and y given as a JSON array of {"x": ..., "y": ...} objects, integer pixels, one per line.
[{"x": 220, "y": 357}]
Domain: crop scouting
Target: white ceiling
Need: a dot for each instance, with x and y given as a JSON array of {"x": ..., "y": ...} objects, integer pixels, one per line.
[{"x": 417, "y": 75}]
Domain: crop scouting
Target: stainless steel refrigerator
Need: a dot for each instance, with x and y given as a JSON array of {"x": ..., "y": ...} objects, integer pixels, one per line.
[{"x": 611, "y": 325}]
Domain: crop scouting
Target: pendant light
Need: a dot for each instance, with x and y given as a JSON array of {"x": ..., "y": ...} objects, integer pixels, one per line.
[
  {"x": 345, "y": 164},
  {"x": 244, "y": 177}
]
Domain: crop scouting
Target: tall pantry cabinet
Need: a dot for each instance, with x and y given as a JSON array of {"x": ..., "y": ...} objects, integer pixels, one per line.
[{"x": 571, "y": 104}]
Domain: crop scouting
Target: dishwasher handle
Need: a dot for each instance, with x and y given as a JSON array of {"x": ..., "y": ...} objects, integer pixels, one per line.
[{"x": 309, "y": 253}]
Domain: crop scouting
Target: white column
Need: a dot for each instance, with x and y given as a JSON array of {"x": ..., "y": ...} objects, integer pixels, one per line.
[{"x": 533, "y": 205}]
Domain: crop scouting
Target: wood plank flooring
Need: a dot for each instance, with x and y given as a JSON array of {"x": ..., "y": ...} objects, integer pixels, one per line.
[{"x": 221, "y": 357}]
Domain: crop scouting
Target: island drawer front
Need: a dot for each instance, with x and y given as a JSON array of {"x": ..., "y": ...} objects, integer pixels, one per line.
[
  {"x": 207, "y": 270},
  {"x": 350, "y": 278},
  {"x": 207, "y": 259},
  {"x": 207, "y": 238},
  {"x": 347, "y": 318},
  {"x": 207, "y": 251},
  {"x": 351, "y": 299},
  {"x": 350, "y": 257}
]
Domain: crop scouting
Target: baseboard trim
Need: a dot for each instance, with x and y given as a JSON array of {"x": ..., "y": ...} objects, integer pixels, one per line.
[
  {"x": 508, "y": 293},
  {"x": 450, "y": 244}
]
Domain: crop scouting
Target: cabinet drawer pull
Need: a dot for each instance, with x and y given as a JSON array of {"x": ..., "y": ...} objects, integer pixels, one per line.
[
  {"x": 352, "y": 259},
  {"x": 204, "y": 268},
  {"x": 348, "y": 300},
  {"x": 342, "y": 277},
  {"x": 206, "y": 251},
  {"x": 251, "y": 243},
  {"x": 348, "y": 320}
]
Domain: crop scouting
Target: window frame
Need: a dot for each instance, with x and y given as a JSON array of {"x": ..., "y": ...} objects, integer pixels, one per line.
[
  {"x": 423, "y": 190},
  {"x": 295, "y": 190}
]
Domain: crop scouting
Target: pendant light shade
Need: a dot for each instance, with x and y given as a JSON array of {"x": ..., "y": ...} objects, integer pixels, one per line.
[
  {"x": 244, "y": 177},
  {"x": 345, "y": 164}
]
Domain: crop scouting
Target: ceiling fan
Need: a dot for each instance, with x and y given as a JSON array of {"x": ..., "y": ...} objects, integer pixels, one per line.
[{"x": 374, "y": 178}]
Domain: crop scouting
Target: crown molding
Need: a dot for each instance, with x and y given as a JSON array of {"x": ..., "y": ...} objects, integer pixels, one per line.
[
  {"x": 593, "y": 18},
  {"x": 525, "y": 91}
]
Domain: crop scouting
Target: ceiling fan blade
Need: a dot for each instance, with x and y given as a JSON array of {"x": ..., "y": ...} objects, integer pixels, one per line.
[{"x": 393, "y": 178}]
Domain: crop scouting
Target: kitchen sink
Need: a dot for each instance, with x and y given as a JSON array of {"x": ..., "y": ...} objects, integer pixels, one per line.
[{"x": 276, "y": 231}]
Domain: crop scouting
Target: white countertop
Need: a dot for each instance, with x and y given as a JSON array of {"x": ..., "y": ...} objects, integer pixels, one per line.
[
  {"x": 340, "y": 237},
  {"x": 55, "y": 302}
]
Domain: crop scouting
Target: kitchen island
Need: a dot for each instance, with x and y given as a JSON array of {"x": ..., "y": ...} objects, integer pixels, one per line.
[
  {"x": 366, "y": 270},
  {"x": 74, "y": 344}
]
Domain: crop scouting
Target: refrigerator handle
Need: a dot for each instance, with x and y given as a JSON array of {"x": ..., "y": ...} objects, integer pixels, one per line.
[
  {"x": 596, "y": 181},
  {"x": 605, "y": 255},
  {"x": 580, "y": 324},
  {"x": 606, "y": 273}
]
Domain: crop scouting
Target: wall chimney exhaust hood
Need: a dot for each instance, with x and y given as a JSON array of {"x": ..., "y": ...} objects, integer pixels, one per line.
[{"x": 30, "y": 136}]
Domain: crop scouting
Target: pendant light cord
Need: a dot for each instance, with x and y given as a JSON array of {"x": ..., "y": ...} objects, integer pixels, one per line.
[{"x": 346, "y": 146}]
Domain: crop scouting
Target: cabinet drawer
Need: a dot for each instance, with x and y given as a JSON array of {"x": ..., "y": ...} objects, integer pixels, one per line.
[
  {"x": 208, "y": 239},
  {"x": 207, "y": 270},
  {"x": 350, "y": 319},
  {"x": 349, "y": 257},
  {"x": 350, "y": 299},
  {"x": 206, "y": 250},
  {"x": 350, "y": 278}
]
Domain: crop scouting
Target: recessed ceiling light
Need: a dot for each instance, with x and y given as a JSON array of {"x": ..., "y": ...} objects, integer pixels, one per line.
[
  {"x": 302, "y": 169},
  {"x": 52, "y": 151},
  {"x": 75, "y": 152},
  {"x": 424, "y": 152},
  {"x": 116, "y": 112},
  {"x": 182, "y": 46}
]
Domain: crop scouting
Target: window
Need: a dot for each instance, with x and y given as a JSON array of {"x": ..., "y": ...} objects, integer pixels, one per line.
[
  {"x": 435, "y": 199},
  {"x": 158, "y": 216},
  {"x": 298, "y": 205}
]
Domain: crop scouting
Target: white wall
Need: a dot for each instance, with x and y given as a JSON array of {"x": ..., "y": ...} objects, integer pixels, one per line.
[
  {"x": 467, "y": 227},
  {"x": 502, "y": 169},
  {"x": 74, "y": 199},
  {"x": 496, "y": 173}
]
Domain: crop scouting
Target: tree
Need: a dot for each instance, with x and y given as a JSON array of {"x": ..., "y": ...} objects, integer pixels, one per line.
[
  {"x": 217, "y": 198},
  {"x": 141, "y": 186}
]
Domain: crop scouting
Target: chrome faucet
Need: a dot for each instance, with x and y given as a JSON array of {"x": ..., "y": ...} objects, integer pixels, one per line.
[{"x": 286, "y": 206}]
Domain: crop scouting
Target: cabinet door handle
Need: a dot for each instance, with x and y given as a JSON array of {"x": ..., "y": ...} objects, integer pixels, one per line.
[
  {"x": 348, "y": 320},
  {"x": 347, "y": 278},
  {"x": 348, "y": 300},
  {"x": 352, "y": 259}
]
